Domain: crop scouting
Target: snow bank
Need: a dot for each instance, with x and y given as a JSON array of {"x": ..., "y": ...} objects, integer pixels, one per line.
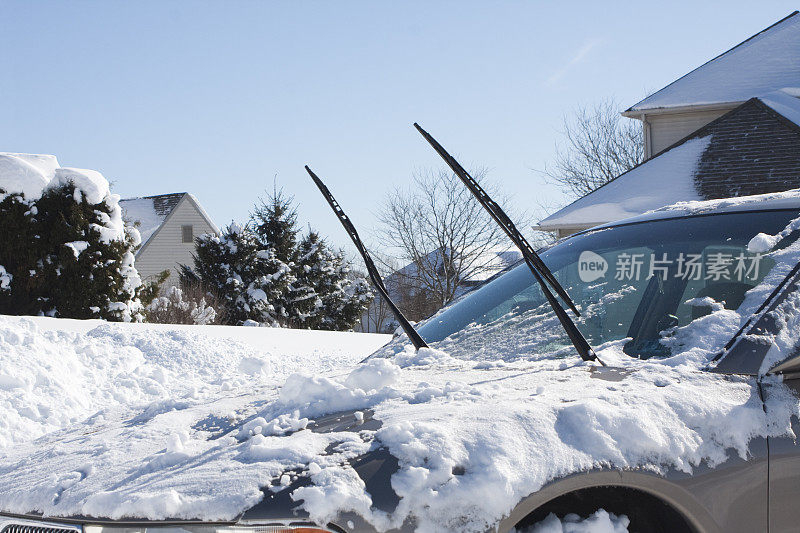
[{"x": 57, "y": 372}]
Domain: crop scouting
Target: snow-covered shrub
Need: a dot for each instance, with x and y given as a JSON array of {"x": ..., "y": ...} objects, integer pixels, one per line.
[
  {"x": 176, "y": 307},
  {"x": 249, "y": 280},
  {"x": 65, "y": 251}
]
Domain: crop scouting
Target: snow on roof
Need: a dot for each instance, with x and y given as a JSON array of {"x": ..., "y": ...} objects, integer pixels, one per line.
[
  {"x": 149, "y": 211},
  {"x": 733, "y": 161},
  {"x": 767, "y": 61},
  {"x": 663, "y": 180},
  {"x": 785, "y": 102}
]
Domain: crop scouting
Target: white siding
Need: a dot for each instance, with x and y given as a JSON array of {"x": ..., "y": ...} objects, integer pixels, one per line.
[
  {"x": 668, "y": 128},
  {"x": 166, "y": 250}
]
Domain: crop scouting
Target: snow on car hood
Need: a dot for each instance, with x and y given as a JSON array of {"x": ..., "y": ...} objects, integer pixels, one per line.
[
  {"x": 470, "y": 439},
  {"x": 472, "y": 436}
]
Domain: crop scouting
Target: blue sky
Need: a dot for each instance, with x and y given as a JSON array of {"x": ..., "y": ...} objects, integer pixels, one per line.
[{"x": 218, "y": 99}]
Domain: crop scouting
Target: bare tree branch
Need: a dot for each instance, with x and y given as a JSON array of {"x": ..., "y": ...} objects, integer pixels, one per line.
[
  {"x": 444, "y": 234},
  {"x": 598, "y": 145}
]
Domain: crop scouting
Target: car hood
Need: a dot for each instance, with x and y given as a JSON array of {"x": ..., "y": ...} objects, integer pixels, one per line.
[{"x": 417, "y": 436}]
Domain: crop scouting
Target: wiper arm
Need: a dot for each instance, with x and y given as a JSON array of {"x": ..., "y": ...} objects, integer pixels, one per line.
[
  {"x": 532, "y": 259},
  {"x": 415, "y": 337}
]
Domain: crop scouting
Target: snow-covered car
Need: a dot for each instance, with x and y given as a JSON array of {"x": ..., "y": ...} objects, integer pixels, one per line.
[{"x": 688, "y": 425}]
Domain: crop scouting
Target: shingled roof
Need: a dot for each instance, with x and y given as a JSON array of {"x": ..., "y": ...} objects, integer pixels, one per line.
[
  {"x": 752, "y": 149},
  {"x": 765, "y": 62}
]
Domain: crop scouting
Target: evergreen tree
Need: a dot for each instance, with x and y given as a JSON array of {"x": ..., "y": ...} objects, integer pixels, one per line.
[
  {"x": 261, "y": 273},
  {"x": 335, "y": 297},
  {"x": 275, "y": 224},
  {"x": 65, "y": 257},
  {"x": 250, "y": 280}
]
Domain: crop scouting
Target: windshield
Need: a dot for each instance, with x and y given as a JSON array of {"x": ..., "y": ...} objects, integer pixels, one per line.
[{"x": 636, "y": 281}]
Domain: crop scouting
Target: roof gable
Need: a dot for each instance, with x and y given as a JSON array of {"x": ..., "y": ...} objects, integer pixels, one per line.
[
  {"x": 767, "y": 61},
  {"x": 752, "y": 149},
  {"x": 150, "y": 212}
]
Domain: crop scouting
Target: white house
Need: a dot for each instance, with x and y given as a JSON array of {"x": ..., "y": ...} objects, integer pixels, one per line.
[
  {"x": 728, "y": 128},
  {"x": 168, "y": 224}
]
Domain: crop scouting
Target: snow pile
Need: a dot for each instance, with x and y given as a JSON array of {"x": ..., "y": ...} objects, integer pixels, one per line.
[
  {"x": 186, "y": 414},
  {"x": 762, "y": 242},
  {"x": 50, "y": 379},
  {"x": 90, "y": 183},
  {"x": 600, "y": 522},
  {"x": 202, "y": 441},
  {"x": 26, "y": 174},
  {"x": 774, "y": 200},
  {"x": 32, "y": 174},
  {"x": 5, "y": 278}
]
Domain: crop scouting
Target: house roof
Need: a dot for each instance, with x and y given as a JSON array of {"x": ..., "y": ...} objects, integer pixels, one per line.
[
  {"x": 753, "y": 149},
  {"x": 150, "y": 211},
  {"x": 492, "y": 262},
  {"x": 767, "y": 61}
]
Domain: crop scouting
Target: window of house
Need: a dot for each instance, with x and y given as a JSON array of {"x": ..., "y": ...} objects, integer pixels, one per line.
[{"x": 187, "y": 234}]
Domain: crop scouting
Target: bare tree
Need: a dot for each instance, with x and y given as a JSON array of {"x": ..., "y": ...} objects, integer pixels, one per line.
[
  {"x": 598, "y": 146},
  {"x": 445, "y": 237}
]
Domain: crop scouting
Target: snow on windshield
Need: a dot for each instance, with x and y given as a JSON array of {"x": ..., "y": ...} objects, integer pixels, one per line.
[
  {"x": 640, "y": 282},
  {"x": 473, "y": 436}
]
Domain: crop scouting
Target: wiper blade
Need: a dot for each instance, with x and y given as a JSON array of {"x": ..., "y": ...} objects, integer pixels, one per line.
[
  {"x": 415, "y": 337},
  {"x": 501, "y": 218},
  {"x": 537, "y": 267}
]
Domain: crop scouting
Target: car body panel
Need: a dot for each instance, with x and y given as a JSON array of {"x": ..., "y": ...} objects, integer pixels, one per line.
[
  {"x": 731, "y": 497},
  {"x": 784, "y": 474}
]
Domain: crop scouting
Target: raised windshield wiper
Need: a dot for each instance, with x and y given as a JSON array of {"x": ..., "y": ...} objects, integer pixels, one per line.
[
  {"x": 373, "y": 272},
  {"x": 532, "y": 259}
]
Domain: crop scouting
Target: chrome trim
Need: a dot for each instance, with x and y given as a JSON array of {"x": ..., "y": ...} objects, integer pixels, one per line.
[{"x": 22, "y": 525}]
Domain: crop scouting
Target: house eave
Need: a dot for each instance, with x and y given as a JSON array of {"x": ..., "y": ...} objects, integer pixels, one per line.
[{"x": 719, "y": 106}]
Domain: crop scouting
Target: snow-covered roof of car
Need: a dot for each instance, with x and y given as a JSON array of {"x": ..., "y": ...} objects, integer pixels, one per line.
[
  {"x": 777, "y": 200},
  {"x": 767, "y": 61}
]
